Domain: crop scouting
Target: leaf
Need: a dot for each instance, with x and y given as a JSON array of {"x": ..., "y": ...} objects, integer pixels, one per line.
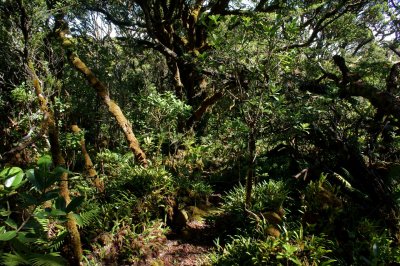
[
  {"x": 4, "y": 212},
  {"x": 29, "y": 199},
  {"x": 35, "y": 179},
  {"x": 78, "y": 219},
  {"x": 22, "y": 237},
  {"x": 74, "y": 204},
  {"x": 15, "y": 180},
  {"x": 49, "y": 195},
  {"x": 11, "y": 223},
  {"x": 45, "y": 162},
  {"x": 57, "y": 212},
  {"x": 328, "y": 262},
  {"x": 8, "y": 235},
  {"x": 14, "y": 260},
  {"x": 10, "y": 171},
  {"x": 60, "y": 203},
  {"x": 52, "y": 259}
]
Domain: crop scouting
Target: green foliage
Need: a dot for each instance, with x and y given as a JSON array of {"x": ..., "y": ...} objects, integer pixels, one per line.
[
  {"x": 34, "y": 237},
  {"x": 267, "y": 196},
  {"x": 279, "y": 85},
  {"x": 12, "y": 178},
  {"x": 51, "y": 259},
  {"x": 22, "y": 95},
  {"x": 373, "y": 245},
  {"x": 291, "y": 248},
  {"x": 129, "y": 243}
]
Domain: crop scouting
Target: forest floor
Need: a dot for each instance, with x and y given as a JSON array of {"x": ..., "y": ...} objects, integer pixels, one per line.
[{"x": 190, "y": 246}]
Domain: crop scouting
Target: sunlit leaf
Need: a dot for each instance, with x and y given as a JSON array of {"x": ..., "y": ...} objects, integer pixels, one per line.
[
  {"x": 8, "y": 235},
  {"x": 15, "y": 180}
]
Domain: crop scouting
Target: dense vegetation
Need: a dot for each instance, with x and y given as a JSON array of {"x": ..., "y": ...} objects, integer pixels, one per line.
[{"x": 274, "y": 123}]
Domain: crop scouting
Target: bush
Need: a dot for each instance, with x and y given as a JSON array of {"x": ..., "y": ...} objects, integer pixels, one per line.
[{"x": 291, "y": 248}]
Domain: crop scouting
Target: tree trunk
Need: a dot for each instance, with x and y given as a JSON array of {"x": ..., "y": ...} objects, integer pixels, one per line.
[
  {"x": 102, "y": 92},
  {"x": 58, "y": 160},
  {"x": 89, "y": 168},
  {"x": 250, "y": 172}
]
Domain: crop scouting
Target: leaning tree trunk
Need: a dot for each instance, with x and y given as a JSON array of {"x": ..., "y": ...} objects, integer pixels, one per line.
[
  {"x": 89, "y": 167},
  {"x": 101, "y": 89},
  {"x": 58, "y": 160}
]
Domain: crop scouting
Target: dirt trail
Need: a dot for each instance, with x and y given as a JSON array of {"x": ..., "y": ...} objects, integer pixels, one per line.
[{"x": 190, "y": 247}]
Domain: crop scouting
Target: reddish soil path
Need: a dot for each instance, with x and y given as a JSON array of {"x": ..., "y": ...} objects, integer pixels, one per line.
[{"x": 190, "y": 247}]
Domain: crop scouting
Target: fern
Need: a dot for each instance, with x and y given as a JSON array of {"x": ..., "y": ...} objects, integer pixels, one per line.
[
  {"x": 52, "y": 259},
  {"x": 89, "y": 216},
  {"x": 14, "y": 259},
  {"x": 58, "y": 241}
]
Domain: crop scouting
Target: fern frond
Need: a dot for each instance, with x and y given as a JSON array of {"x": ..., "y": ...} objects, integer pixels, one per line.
[
  {"x": 89, "y": 216},
  {"x": 44, "y": 223},
  {"x": 52, "y": 259},
  {"x": 58, "y": 241},
  {"x": 11, "y": 259}
]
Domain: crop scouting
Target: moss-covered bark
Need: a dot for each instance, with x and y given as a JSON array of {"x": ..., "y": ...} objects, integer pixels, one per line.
[
  {"x": 89, "y": 168},
  {"x": 58, "y": 160},
  {"x": 102, "y": 92}
]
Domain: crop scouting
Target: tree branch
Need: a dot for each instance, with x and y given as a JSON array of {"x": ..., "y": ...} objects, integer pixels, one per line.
[{"x": 323, "y": 22}]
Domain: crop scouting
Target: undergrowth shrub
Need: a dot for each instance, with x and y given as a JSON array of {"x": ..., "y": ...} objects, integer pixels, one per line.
[
  {"x": 267, "y": 196},
  {"x": 128, "y": 244},
  {"x": 134, "y": 191},
  {"x": 291, "y": 248},
  {"x": 268, "y": 199}
]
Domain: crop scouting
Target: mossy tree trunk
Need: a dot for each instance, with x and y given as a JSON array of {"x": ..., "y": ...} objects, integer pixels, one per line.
[
  {"x": 58, "y": 160},
  {"x": 61, "y": 29},
  {"x": 89, "y": 167},
  {"x": 49, "y": 126}
]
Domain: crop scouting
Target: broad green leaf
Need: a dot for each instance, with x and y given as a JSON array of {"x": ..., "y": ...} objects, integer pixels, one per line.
[
  {"x": 74, "y": 204},
  {"x": 8, "y": 235},
  {"x": 22, "y": 237},
  {"x": 10, "y": 171},
  {"x": 57, "y": 212},
  {"x": 42, "y": 214},
  {"x": 78, "y": 219},
  {"x": 11, "y": 223},
  {"x": 49, "y": 195},
  {"x": 29, "y": 199},
  {"x": 15, "y": 180}
]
